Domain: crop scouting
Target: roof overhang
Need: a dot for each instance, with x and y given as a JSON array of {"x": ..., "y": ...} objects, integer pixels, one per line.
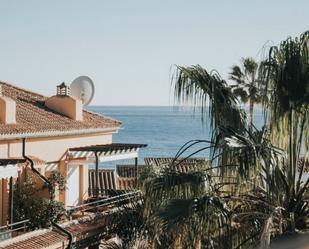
[
  {"x": 18, "y": 136},
  {"x": 104, "y": 152}
]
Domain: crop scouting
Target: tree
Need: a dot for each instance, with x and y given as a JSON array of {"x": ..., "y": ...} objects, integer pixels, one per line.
[
  {"x": 252, "y": 192},
  {"x": 41, "y": 212},
  {"x": 211, "y": 93},
  {"x": 286, "y": 76},
  {"x": 248, "y": 87},
  {"x": 249, "y": 192}
]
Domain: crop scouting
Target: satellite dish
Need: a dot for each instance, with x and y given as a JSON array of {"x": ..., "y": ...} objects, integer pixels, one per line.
[{"x": 83, "y": 88}]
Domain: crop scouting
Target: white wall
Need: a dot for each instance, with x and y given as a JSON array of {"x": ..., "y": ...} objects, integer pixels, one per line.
[
  {"x": 8, "y": 171},
  {"x": 72, "y": 192},
  {"x": 51, "y": 148}
]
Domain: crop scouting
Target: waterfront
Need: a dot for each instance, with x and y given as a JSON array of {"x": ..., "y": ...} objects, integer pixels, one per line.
[{"x": 164, "y": 128}]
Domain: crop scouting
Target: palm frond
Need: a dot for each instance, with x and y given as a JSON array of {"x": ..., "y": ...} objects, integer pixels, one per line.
[
  {"x": 250, "y": 66},
  {"x": 236, "y": 74},
  {"x": 209, "y": 91},
  {"x": 286, "y": 74}
]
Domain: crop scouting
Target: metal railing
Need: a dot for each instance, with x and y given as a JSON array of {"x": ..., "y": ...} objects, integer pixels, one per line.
[
  {"x": 107, "y": 202},
  {"x": 9, "y": 231}
]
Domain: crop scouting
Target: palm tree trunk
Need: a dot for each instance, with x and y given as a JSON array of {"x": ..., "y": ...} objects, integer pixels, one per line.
[
  {"x": 251, "y": 105},
  {"x": 292, "y": 164}
]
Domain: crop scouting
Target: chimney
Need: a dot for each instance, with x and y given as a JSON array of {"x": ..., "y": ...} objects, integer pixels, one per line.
[
  {"x": 7, "y": 109},
  {"x": 65, "y": 104}
]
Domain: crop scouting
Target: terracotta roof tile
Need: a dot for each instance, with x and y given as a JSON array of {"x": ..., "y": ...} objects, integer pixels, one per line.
[
  {"x": 180, "y": 165},
  {"x": 50, "y": 238},
  {"x": 33, "y": 117},
  {"x": 158, "y": 161}
]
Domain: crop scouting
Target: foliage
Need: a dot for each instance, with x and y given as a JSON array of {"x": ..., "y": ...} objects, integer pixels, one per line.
[
  {"x": 246, "y": 79},
  {"x": 251, "y": 192},
  {"x": 56, "y": 180},
  {"x": 248, "y": 86},
  {"x": 130, "y": 226},
  {"x": 139, "y": 243},
  {"x": 144, "y": 174},
  {"x": 40, "y": 211},
  {"x": 286, "y": 74},
  {"x": 195, "y": 85}
]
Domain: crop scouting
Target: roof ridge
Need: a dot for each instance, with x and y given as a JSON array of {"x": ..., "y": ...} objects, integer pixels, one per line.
[{"x": 9, "y": 84}]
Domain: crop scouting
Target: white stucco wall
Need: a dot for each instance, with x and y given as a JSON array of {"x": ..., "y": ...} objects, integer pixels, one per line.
[
  {"x": 51, "y": 148},
  {"x": 73, "y": 185},
  {"x": 77, "y": 184}
]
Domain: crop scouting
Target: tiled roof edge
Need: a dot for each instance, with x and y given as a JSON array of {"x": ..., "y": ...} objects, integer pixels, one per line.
[
  {"x": 56, "y": 133},
  {"x": 100, "y": 115},
  {"x": 22, "y": 89},
  {"x": 5, "y": 243}
]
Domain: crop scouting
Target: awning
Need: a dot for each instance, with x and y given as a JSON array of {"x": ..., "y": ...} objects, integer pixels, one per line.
[
  {"x": 106, "y": 152},
  {"x": 9, "y": 167}
]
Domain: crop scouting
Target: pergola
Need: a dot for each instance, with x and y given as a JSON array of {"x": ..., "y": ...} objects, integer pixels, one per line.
[{"x": 105, "y": 153}]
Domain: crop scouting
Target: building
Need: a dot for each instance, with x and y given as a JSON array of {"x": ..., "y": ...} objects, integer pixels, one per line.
[{"x": 40, "y": 135}]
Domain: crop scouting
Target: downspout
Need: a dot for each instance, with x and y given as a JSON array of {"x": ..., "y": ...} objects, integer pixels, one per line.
[
  {"x": 136, "y": 170},
  {"x": 44, "y": 179},
  {"x": 96, "y": 175},
  {"x": 11, "y": 201}
]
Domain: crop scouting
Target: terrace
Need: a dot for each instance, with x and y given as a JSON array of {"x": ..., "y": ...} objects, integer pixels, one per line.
[{"x": 84, "y": 224}]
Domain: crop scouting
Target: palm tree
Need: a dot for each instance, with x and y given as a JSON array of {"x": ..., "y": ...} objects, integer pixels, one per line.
[
  {"x": 247, "y": 87},
  {"x": 255, "y": 193},
  {"x": 202, "y": 88},
  {"x": 193, "y": 202},
  {"x": 286, "y": 76},
  {"x": 249, "y": 191}
]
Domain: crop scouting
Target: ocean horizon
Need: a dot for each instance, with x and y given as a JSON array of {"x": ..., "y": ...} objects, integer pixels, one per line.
[{"x": 163, "y": 128}]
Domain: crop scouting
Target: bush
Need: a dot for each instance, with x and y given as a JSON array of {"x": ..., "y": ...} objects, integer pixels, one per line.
[{"x": 40, "y": 211}]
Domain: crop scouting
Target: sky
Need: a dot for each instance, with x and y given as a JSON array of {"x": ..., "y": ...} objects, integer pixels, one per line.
[{"x": 130, "y": 48}]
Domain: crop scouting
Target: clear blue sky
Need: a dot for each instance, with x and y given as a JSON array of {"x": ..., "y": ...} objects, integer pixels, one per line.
[{"x": 128, "y": 47}]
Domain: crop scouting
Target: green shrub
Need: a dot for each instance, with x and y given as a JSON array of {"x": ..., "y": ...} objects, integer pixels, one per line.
[{"x": 40, "y": 211}]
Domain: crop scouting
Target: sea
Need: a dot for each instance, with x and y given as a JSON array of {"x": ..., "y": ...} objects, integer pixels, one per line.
[{"x": 163, "y": 128}]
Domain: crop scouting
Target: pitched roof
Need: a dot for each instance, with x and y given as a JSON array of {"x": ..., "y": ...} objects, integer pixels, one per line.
[
  {"x": 182, "y": 165},
  {"x": 45, "y": 239},
  {"x": 33, "y": 118}
]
